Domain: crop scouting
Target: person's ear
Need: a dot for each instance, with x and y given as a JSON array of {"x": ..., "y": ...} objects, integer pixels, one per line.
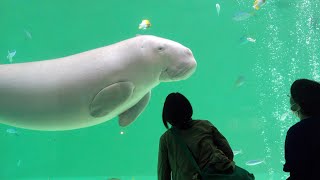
[{"x": 295, "y": 107}]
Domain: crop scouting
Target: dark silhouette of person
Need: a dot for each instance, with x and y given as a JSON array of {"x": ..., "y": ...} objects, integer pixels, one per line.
[
  {"x": 302, "y": 144},
  {"x": 207, "y": 144}
]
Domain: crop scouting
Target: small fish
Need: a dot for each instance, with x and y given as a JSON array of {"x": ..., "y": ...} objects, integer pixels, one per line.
[
  {"x": 246, "y": 39},
  {"x": 254, "y": 162},
  {"x": 258, "y": 3},
  {"x": 144, "y": 24},
  {"x": 239, "y": 81},
  {"x": 28, "y": 34},
  {"x": 218, "y": 8},
  {"x": 11, "y": 55},
  {"x": 113, "y": 178},
  {"x": 12, "y": 131},
  {"x": 243, "y": 40},
  {"x": 241, "y": 16},
  {"x": 236, "y": 152},
  {"x": 251, "y": 39}
]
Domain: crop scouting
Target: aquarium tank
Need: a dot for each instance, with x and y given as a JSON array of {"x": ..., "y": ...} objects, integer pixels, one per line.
[{"x": 248, "y": 54}]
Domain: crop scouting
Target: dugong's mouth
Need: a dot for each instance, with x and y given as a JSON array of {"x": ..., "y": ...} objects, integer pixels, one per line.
[{"x": 182, "y": 74}]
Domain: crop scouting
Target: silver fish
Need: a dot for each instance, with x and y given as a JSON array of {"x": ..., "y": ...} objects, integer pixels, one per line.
[
  {"x": 10, "y": 55},
  {"x": 12, "y": 131},
  {"x": 254, "y": 162},
  {"x": 236, "y": 152},
  {"x": 28, "y": 34},
  {"x": 239, "y": 81}
]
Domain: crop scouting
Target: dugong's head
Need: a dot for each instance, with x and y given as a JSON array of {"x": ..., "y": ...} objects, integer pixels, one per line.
[{"x": 176, "y": 61}]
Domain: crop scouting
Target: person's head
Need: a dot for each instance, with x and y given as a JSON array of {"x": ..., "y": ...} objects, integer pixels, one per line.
[
  {"x": 305, "y": 98},
  {"x": 177, "y": 111}
]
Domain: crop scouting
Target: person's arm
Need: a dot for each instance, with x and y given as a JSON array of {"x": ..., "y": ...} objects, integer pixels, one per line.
[
  {"x": 221, "y": 142},
  {"x": 164, "y": 170},
  {"x": 294, "y": 152},
  {"x": 287, "y": 156}
]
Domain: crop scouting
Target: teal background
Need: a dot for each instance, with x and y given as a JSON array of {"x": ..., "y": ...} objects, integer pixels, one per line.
[{"x": 253, "y": 117}]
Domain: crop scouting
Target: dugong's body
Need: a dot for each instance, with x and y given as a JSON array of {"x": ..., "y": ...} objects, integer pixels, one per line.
[{"x": 92, "y": 87}]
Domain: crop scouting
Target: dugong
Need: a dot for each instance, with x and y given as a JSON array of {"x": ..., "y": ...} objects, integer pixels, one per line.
[{"x": 91, "y": 87}]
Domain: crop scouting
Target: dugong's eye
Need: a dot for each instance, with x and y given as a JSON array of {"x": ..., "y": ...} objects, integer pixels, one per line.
[{"x": 160, "y": 48}]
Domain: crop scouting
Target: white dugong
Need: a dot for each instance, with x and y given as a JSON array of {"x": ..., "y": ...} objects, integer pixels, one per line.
[{"x": 91, "y": 87}]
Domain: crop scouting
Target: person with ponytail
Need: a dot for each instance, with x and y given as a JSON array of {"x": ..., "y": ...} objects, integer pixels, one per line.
[
  {"x": 302, "y": 143},
  {"x": 206, "y": 144}
]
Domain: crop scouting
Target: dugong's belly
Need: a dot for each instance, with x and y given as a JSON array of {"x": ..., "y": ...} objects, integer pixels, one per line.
[
  {"x": 42, "y": 108},
  {"x": 52, "y": 109},
  {"x": 39, "y": 99},
  {"x": 38, "y": 104}
]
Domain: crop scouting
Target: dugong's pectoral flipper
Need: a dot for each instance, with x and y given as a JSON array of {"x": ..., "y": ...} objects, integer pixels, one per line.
[
  {"x": 131, "y": 114},
  {"x": 110, "y": 97}
]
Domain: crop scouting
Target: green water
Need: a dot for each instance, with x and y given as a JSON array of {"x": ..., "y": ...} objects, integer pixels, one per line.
[{"x": 254, "y": 117}]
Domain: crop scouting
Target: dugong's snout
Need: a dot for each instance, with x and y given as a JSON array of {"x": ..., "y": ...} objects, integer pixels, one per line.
[
  {"x": 189, "y": 66},
  {"x": 181, "y": 68},
  {"x": 187, "y": 69}
]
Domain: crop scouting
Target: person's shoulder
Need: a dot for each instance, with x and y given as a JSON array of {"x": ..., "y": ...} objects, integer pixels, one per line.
[
  {"x": 295, "y": 128},
  {"x": 203, "y": 122},
  {"x": 302, "y": 126},
  {"x": 312, "y": 120},
  {"x": 306, "y": 124},
  {"x": 164, "y": 136}
]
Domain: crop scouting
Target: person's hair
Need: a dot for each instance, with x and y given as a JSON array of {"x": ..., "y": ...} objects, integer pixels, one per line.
[
  {"x": 306, "y": 93},
  {"x": 177, "y": 111}
]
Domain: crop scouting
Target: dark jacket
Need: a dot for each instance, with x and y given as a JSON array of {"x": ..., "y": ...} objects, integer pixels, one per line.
[
  {"x": 302, "y": 148},
  {"x": 207, "y": 144}
]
